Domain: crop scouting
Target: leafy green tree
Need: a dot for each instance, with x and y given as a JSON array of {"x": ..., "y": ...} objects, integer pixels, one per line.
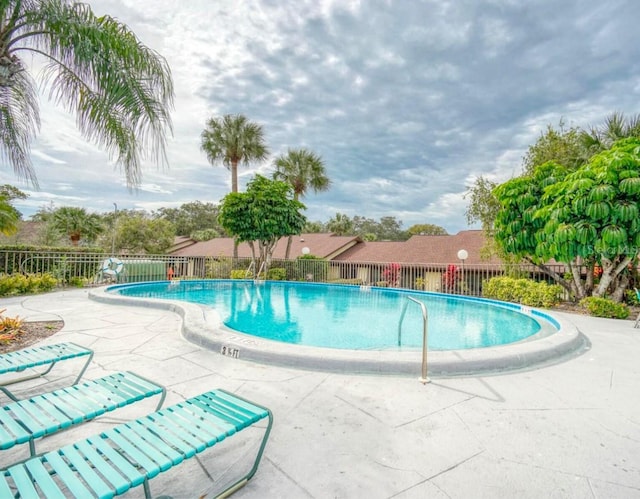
[
  {"x": 591, "y": 215},
  {"x": 261, "y": 216},
  {"x": 141, "y": 234},
  {"x": 120, "y": 90},
  {"x": 340, "y": 225},
  {"x": 11, "y": 193},
  {"x": 313, "y": 227},
  {"x": 77, "y": 224},
  {"x": 516, "y": 221},
  {"x": 233, "y": 139},
  {"x": 204, "y": 235},
  {"x": 303, "y": 170},
  {"x": 594, "y": 214},
  {"x": 48, "y": 235},
  {"x": 362, "y": 226},
  {"x": 44, "y": 213},
  {"x": 426, "y": 230},
  {"x": 562, "y": 146},
  {"x": 192, "y": 217},
  {"x": 390, "y": 229},
  {"x": 386, "y": 229},
  {"x": 483, "y": 204}
]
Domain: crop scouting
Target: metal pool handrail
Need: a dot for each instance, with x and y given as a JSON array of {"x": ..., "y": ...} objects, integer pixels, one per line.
[{"x": 424, "y": 379}]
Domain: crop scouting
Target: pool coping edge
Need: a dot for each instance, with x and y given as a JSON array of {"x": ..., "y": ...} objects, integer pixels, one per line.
[{"x": 202, "y": 326}]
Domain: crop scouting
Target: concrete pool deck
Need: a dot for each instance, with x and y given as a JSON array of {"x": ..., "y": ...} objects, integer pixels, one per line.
[{"x": 571, "y": 429}]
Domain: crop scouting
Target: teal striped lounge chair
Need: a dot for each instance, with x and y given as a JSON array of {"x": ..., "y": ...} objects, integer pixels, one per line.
[
  {"x": 46, "y": 356},
  {"x": 131, "y": 454},
  {"x": 24, "y": 421}
]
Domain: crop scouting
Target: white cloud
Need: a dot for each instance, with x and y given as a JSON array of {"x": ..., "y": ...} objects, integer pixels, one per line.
[{"x": 405, "y": 105}]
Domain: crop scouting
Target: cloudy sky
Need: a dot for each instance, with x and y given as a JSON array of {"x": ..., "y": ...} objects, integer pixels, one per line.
[{"x": 406, "y": 101}]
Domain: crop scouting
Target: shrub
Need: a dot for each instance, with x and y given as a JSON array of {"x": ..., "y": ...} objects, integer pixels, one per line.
[
  {"x": 241, "y": 274},
  {"x": 277, "y": 274},
  {"x": 524, "y": 291},
  {"x": 48, "y": 282},
  {"x": 631, "y": 297},
  {"x": 603, "y": 307},
  {"x": 19, "y": 284},
  {"x": 78, "y": 282}
]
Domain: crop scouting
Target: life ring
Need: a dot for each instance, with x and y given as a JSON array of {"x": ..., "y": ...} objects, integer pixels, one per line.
[{"x": 112, "y": 266}]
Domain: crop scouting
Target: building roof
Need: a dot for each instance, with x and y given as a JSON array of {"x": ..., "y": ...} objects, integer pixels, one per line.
[
  {"x": 326, "y": 246},
  {"x": 180, "y": 242},
  {"x": 423, "y": 249},
  {"x": 418, "y": 249}
]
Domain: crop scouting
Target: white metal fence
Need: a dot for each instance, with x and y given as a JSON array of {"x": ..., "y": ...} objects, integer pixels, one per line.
[{"x": 96, "y": 268}]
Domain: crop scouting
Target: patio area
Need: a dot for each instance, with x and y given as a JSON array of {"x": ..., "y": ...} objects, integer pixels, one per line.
[{"x": 570, "y": 430}]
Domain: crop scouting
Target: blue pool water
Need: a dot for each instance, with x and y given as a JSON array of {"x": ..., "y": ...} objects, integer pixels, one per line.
[{"x": 347, "y": 317}]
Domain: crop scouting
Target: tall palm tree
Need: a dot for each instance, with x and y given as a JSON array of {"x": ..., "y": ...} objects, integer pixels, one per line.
[
  {"x": 233, "y": 139},
  {"x": 120, "y": 91},
  {"x": 302, "y": 169},
  {"x": 77, "y": 224}
]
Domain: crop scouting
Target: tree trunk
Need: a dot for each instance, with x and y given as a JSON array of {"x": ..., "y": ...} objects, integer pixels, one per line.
[
  {"x": 610, "y": 272},
  {"x": 290, "y": 239},
  {"x": 579, "y": 289},
  {"x": 234, "y": 176},
  {"x": 286, "y": 255},
  {"x": 618, "y": 292},
  {"x": 554, "y": 275},
  {"x": 588, "y": 285},
  {"x": 253, "y": 257},
  {"x": 234, "y": 188}
]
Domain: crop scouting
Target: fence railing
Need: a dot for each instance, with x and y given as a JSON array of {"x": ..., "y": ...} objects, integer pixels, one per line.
[{"x": 97, "y": 268}]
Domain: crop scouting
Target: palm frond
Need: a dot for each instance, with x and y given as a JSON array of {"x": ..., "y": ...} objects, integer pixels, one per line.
[
  {"x": 233, "y": 138},
  {"x": 19, "y": 122},
  {"x": 9, "y": 218},
  {"x": 120, "y": 90},
  {"x": 302, "y": 169}
]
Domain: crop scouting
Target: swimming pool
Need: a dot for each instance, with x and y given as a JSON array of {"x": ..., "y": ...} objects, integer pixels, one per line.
[
  {"x": 349, "y": 317},
  {"x": 204, "y": 326}
]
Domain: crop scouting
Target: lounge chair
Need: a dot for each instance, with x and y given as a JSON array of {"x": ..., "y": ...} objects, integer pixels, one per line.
[
  {"x": 31, "y": 358},
  {"x": 26, "y": 420},
  {"x": 131, "y": 454}
]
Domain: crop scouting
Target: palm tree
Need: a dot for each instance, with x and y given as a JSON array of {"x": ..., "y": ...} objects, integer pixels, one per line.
[
  {"x": 9, "y": 218},
  {"x": 302, "y": 169},
  {"x": 616, "y": 126},
  {"x": 77, "y": 224},
  {"x": 120, "y": 90},
  {"x": 233, "y": 139}
]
